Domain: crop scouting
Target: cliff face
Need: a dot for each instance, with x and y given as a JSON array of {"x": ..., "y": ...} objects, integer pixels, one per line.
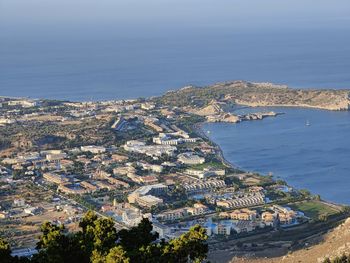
[{"x": 259, "y": 94}]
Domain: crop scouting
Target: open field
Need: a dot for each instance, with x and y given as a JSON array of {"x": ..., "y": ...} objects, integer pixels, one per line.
[{"x": 314, "y": 209}]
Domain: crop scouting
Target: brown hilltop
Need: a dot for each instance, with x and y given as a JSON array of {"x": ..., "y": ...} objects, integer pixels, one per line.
[{"x": 258, "y": 94}]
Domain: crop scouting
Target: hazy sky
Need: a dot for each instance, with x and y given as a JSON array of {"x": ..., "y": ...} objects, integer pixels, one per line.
[{"x": 29, "y": 16}]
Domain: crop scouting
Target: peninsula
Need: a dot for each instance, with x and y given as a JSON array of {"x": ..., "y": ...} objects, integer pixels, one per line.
[{"x": 258, "y": 94}]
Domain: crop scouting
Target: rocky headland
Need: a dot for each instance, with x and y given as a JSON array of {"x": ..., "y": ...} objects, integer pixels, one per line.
[{"x": 256, "y": 95}]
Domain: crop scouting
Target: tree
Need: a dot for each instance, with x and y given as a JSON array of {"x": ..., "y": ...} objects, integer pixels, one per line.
[
  {"x": 104, "y": 233},
  {"x": 305, "y": 193},
  {"x": 99, "y": 242},
  {"x": 97, "y": 257},
  {"x": 117, "y": 255},
  {"x": 189, "y": 246},
  {"x": 55, "y": 246},
  {"x": 5, "y": 251},
  {"x": 138, "y": 236}
]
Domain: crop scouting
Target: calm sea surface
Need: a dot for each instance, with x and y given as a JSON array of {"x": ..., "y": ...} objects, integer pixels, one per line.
[
  {"x": 316, "y": 157},
  {"x": 83, "y": 50},
  {"x": 112, "y": 49}
]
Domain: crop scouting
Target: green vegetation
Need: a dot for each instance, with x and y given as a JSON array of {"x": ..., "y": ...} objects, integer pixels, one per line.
[
  {"x": 314, "y": 209},
  {"x": 5, "y": 251},
  {"x": 213, "y": 164},
  {"x": 98, "y": 241},
  {"x": 342, "y": 259}
]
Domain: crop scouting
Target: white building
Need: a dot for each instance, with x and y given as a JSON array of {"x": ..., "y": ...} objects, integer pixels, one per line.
[
  {"x": 161, "y": 229},
  {"x": 133, "y": 216},
  {"x": 150, "y": 150},
  {"x": 23, "y": 103},
  {"x": 190, "y": 159},
  {"x": 19, "y": 202},
  {"x": 204, "y": 185},
  {"x": 93, "y": 149},
  {"x": 144, "y": 195},
  {"x": 205, "y": 173}
]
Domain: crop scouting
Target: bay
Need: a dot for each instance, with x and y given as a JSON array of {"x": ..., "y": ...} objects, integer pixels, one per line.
[{"x": 314, "y": 157}]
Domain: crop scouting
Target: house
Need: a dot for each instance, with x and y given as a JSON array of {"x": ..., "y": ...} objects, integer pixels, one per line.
[
  {"x": 23, "y": 103},
  {"x": 148, "y": 179},
  {"x": 242, "y": 214},
  {"x": 205, "y": 173},
  {"x": 161, "y": 229},
  {"x": 172, "y": 214},
  {"x": 203, "y": 185},
  {"x": 55, "y": 178},
  {"x": 243, "y": 201},
  {"x": 72, "y": 189},
  {"x": 223, "y": 228},
  {"x": 93, "y": 149},
  {"x": 269, "y": 218},
  {"x": 150, "y": 150},
  {"x": 148, "y": 200},
  {"x": 133, "y": 216},
  {"x": 286, "y": 215},
  {"x": 144, "y": 195},
  {"x": 190, "y": 159},
  {"x": 148, "y": 106},
  {"x": 4, "y": 214},
  {"x": 119, "y": 158},
  {"x": 244, "y": 226},
  {"x": 197, "y": 209},
  {"x": 32, "y": 210},
  {"x": 19, "y": 202}
]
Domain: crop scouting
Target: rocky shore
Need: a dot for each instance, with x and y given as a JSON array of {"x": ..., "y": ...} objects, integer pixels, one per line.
[{"x": 229, "y": 117}]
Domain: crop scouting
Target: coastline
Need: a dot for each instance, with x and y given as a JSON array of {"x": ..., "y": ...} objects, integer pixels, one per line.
[
  {"x": 198, "y": 128},
  {"x": 310, "y": 232}
]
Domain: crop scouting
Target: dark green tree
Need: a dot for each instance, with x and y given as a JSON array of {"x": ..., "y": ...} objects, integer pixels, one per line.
[
  {"x": 117, "y": 255},
  {"x": 190, "y": 246},
  {"x": 99, "y": 242},
  {"x": 138, "y": 236},
  {"x": 5, "y": 251}
]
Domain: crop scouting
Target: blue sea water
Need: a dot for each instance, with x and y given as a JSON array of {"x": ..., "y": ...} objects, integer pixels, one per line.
[
  {"x": 113, "y": 49},
  {"x": 83, "y": 50},
  {"x": 315, "y": 157}
]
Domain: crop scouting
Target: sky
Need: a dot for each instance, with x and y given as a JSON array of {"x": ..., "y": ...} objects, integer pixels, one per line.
[{"x": 37, "y": 16}]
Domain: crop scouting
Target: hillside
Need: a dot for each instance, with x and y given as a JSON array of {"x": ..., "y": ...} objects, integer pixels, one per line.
[
  {"x": 335, "y": 243},
  {"x": 257, "y": 94}
]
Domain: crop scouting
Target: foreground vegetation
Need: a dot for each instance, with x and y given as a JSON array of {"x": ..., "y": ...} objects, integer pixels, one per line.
[
  {"x": 342, "y": 259},
  {"x": 98, "y": 241}
]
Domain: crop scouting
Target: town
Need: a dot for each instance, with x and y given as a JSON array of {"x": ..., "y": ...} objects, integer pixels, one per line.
[{"x": 129, "y": 160}]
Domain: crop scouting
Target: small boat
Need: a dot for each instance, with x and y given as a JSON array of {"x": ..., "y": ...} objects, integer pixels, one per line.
[
  {"x": 307, "y": 123},
  {"x": 208, "y": 132}
]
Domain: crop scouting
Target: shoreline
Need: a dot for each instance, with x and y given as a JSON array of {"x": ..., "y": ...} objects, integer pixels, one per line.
[
  {"x": 198, "y": 128},
  {"x": 308, "y": 232}
]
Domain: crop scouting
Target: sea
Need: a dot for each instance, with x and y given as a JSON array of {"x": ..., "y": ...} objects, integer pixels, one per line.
[{"x": 112, "y": 49}]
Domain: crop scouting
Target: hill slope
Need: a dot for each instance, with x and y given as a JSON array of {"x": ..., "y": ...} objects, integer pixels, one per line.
[
  {"x": 331, "y": 245},
  {"x": 257, "y": 94}
]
